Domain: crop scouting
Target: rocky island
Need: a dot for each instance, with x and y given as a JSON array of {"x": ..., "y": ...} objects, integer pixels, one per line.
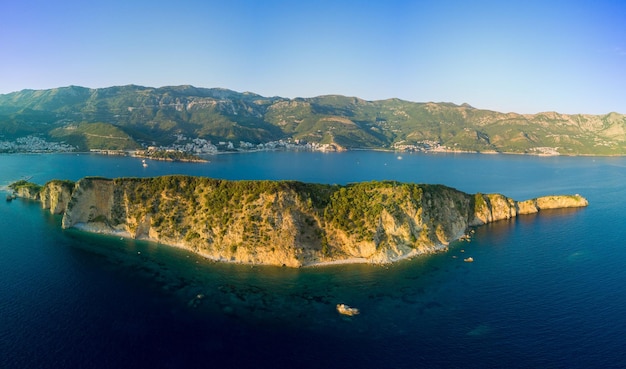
[{"x": 285, "y": 223}]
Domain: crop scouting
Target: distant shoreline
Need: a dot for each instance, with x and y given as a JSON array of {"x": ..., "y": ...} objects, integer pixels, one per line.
[
  {"x": 199, "y": 160},
  {"x": 130, "y": 153}
]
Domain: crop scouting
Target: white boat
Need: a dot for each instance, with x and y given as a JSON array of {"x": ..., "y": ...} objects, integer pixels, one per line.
[
  {"x": 344, "y": 309},
  {"x": 469, "y": 260}
]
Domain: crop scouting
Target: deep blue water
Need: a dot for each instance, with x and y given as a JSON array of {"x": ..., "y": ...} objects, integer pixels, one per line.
[{"x": 545, "y": 290}]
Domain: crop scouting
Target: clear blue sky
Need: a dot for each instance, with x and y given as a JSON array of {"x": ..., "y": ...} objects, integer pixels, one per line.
[{"x": 523, "y": 56}]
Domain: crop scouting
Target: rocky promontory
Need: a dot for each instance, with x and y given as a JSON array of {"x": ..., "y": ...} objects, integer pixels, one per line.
[{"x": 285, "y": 223}]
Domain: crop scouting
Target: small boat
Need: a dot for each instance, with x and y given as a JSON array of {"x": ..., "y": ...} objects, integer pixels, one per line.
[
  {"x": 344, "y": 309},
  {"x": 9, "y": 198},
  {"x": 468, "y": 260}
]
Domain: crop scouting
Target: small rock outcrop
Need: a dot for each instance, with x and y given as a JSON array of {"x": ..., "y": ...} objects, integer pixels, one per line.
[
  {"x": 284, "y": 222},
  {"x": 492, "y": 207},
  {"x": 27, "y": 193}
]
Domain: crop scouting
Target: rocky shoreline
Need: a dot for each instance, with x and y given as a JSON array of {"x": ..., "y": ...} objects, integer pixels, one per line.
[{"x": 284, "y": 223}]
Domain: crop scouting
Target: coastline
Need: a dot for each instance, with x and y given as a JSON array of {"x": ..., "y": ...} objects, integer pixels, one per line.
[
  {"x": 199, "y": 160},
  {"x": 105, "y": 230},
  {"x": 96, "y": 205},
  {"x": 201, "y": 157}
]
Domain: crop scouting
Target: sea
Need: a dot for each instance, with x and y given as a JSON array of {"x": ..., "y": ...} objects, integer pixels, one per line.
[{"x": 544, "y": 291}]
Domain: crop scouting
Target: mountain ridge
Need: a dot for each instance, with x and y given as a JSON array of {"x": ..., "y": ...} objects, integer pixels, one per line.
[{"x": 158, "y": 115}]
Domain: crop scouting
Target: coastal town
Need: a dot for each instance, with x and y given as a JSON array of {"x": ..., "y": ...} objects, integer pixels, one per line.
[
  {"x": 182, "y": 144},
  {"x": 33, "y": 144},
  {"x": 201, "y": 146},
  {"x": 422, "y": 146},
  {"x": 188, "y": 148}
]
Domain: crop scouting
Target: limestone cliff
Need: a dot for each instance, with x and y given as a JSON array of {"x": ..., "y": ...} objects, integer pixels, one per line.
[
  {"x": 55, "y": 195},
  {"x": 493, "y": 207},
  {"x": 25, "y": 190},
  {"x": 284, "y": 222}
]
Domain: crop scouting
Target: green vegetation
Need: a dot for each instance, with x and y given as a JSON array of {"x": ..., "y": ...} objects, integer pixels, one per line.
[
  {"x": 23, "y": 184},
  {"x": 182, "y": 206},
  {"x": 120, "y": 118},
  {"x": 278, "y": 222},
  {"x": 67, "y": 184},
  {"x": 357, "y": 208},
  {"x": 169, "y": 155},
  {"x": 99, "y": 136},
  {"x": 478, "y": 203}
]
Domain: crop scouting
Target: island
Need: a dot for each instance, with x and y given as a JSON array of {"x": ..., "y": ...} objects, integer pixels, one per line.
[
  {"x": 169, "y": 155},
  {"x": 284, "y": 223}
]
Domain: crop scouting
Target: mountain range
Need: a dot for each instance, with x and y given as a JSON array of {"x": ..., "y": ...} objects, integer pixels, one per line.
[{"x": 129, "y": 117}]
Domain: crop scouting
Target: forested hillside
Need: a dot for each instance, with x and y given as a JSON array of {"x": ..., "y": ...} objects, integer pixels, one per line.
[{"x": 127, "y": 117}]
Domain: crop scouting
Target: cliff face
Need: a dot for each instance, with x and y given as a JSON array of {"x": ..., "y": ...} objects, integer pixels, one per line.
[
  {"x": 27, "y": 192},
  {"x": 91, "y": 202},
  {"x": 55, "y": 195},
  {"x": 493, "y": 207},
  {"x": 284, "y": 223}
]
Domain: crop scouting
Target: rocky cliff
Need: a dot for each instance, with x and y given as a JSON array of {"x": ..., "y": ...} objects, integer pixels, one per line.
[
  {"x": 284, "y": 222},
  {"x": 493, "y": 207},
  {"x": 55, "y": 195},
  {"x": 31, "y": 193}
]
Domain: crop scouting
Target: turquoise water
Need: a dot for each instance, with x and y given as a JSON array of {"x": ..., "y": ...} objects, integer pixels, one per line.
[{"x": 545, "y": 290}]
